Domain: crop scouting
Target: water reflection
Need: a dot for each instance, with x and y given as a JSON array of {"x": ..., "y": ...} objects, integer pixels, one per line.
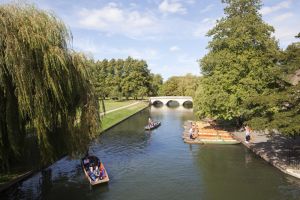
[
  {"x": 46, "y": 181},
  {"x": 248, "y": 157},
  {"x": 227, "y": 177}
]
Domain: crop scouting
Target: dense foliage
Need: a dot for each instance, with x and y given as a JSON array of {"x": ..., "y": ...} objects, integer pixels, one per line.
[
  {"x": 44, "y": 87},
  {"x": 280, "y": 109},
  {"x": 240, "y": 64},
  {"x": 125, "y": 78},
  {"x": 180, "y": 86},
  {"x": 245, "y": 76}
]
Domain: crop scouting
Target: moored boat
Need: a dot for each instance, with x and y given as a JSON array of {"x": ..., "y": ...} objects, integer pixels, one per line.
[
  {"x": 210, "y": 141},
  {"x": 94, "y": 170},
  {"x": 153, "y": 126},
  {"x": 207, "y": 134}
]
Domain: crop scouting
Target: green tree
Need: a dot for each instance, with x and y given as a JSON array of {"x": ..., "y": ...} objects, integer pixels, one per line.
[
  {"x": 280, "y": 108},
  {"x": 136, "y": 78},
  {"x": 188, "y": 85},
  {"x": 241, "y": 62},
  {"x": 116, "y": 78},
  {"x": 170, "y": 87},
  {"x": 180, "y": 85},
  {"x": 44, "y": 86},
  {"x": 156, "y": 84},
  {"x": 99, "y": 74}
]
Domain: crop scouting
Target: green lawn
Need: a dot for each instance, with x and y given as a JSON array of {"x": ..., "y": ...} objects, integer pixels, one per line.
[
  {"x": 111, "y": 104},
  {"x": 112, "y": 118}
]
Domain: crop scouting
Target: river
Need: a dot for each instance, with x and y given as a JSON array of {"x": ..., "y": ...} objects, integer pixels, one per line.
[{"x": 158, "y": 165}]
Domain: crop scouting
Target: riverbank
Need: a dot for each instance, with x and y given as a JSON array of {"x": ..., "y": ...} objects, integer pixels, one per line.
[
  {"x": 113, "y": 118},
  {"x": 276, "y": 149}
]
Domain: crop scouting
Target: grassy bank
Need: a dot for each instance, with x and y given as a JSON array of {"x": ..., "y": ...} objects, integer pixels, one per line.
[
  {"x": 113, "y": 118},
  {"x": 111, "y": 104}
]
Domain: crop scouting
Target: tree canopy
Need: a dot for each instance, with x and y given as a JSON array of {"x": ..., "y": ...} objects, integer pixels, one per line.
[
  {"x": 125, "y": 78},
  {"x": 44, "y": 85},
  {"x": 280, "y": 108},
  {"x": 241, "y": 62},
  {"x": 180, "y": 86},
  {"x": 245, "y": 75}
]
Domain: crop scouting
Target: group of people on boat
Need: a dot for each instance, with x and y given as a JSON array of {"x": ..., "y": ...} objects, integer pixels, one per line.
[
  {"x": 193, "y": 131},
  {"x": 94, "y": 168}
]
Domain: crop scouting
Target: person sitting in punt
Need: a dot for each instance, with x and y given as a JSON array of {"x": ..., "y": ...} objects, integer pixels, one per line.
[
  {"x": 91, "y": 173},
  {"x": 195, "y": 133},
  {"x": 191, "y": 132},
  {"x": 102, "y": 172},
  {"x": 86, "y": 161},
  {"x": 96, "y": 171},
  {"x": 91, "y": 169}
]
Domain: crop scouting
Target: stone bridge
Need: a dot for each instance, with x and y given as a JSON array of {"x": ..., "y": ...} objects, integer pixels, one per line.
[{"x": 166, "y": 99}]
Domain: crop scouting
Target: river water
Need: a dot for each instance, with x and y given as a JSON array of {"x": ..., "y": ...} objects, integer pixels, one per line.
[{"x": 158, "y": 165}]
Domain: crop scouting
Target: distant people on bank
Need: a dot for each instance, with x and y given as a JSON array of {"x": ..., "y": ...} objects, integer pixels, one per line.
[{"x": 247, "y": 134}]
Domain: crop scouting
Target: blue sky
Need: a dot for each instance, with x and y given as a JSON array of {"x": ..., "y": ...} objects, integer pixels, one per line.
[{"x": 168, "y": 34}]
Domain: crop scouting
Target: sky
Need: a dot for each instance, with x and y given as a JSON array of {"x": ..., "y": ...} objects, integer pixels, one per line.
[{"x": 169, "y": 34}]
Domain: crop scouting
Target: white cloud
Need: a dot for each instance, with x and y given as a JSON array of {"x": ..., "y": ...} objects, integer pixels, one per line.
[
  {"x": 207, "y": 8},
  {"x": 286, "y": 34},
  {"x": 191, "y": 1},
  {"x": 270, "y": 9},
  {"x": 286, "y": 27},
  {"x": 101, "y": 51},
  {"x": 174, "y": 48},
  {"x": 171, "y": 6},
  {"x": 283, "y": 17},
  {"x": 112, "y": 19}
]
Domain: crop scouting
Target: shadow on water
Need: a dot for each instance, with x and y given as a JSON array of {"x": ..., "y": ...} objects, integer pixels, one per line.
[{"x": 234, "y": 172}]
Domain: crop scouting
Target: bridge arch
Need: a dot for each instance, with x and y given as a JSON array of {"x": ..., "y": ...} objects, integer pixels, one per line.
[
  {"x": 166, "y": 99},
  {"x": 174, "y": 102},
  {"x": 157, "y": 102},
  {"x": 188, "y": 102}
]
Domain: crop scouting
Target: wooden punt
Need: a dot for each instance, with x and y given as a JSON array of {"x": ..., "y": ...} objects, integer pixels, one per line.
[
  {"x": 155, "y": 125},
  {"x": 210, "y": 141},
  {"x": 94, "y": 179}
]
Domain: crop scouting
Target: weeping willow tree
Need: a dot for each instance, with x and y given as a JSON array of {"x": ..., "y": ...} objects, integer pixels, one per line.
[{"x": 44, "y": 85}]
